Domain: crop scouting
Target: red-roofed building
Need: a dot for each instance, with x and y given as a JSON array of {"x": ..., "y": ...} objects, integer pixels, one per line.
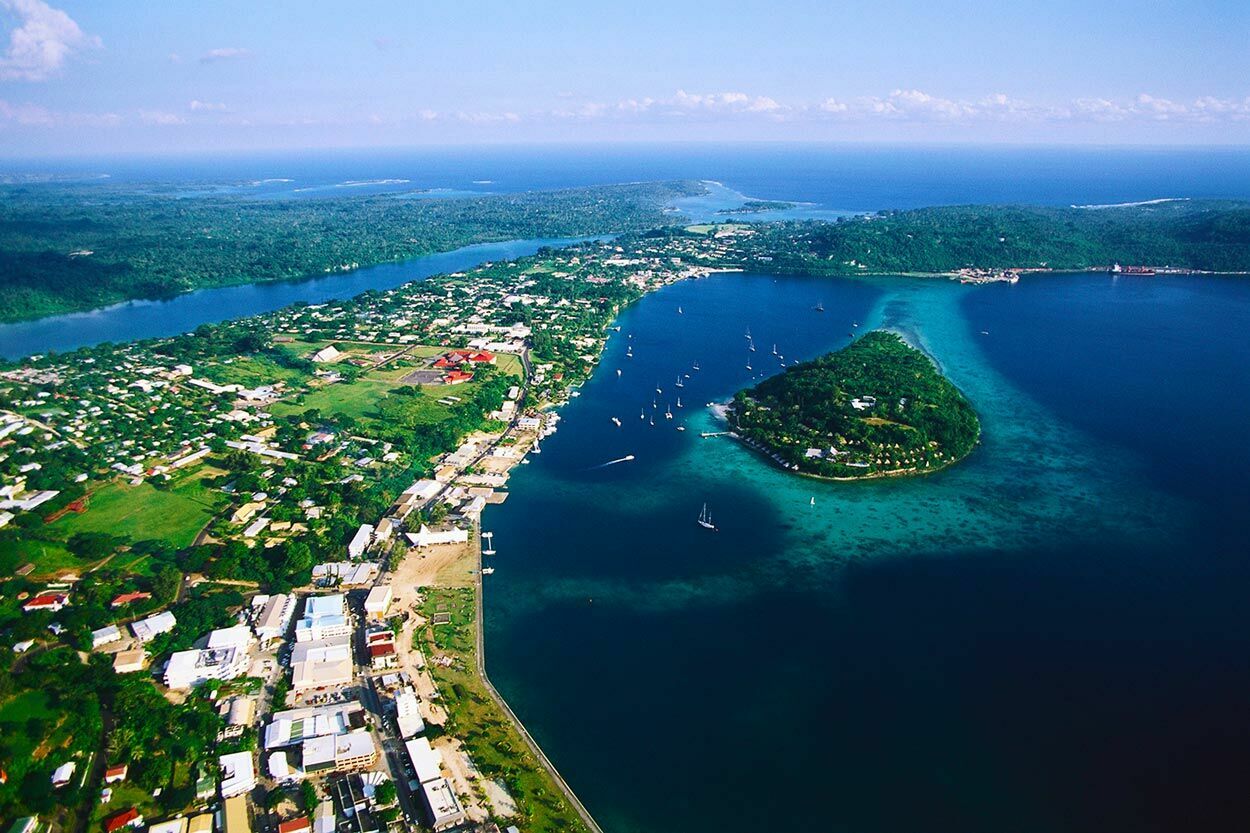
[
  {"x": 116, "y": 773},
  {"x": 457, "y": 377},
  {"x": 127, "y": 598},
  {"x": 381, "y": 645},
  {"x": 126, "y": 818},
  {"x": 47, "y": 601},
  {"x": 299, "y": 825},
  {"x": 458, "y": 357}
]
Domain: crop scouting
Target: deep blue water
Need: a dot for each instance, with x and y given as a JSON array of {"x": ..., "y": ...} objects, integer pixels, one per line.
[{"x": 1051, "y": 636}]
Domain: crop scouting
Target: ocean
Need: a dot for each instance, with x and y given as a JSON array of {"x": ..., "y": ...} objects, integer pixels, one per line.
[{"x": 1049, "y": 636}]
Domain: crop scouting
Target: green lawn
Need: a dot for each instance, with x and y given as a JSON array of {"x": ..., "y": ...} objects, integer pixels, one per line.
[
  {"x": 251, "y": 371},
  {"x": 144, "y": 512}
]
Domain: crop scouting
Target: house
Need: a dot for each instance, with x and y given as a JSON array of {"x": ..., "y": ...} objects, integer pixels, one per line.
[
  {"x": 327, "y": 354},
  {"x": 62, "y": 774},
  {"x": 381, "y": 648},
  {"x": 130, "y": 662},
  {"x": 117, "y": 773},
  {"x": 105, "y": 636},
  {"x": 145, "y": 630},
  {"x": 126, "y": 818},
  {"x": 47, "y": 601},
  {"x": 127, "y": 598},
  {"x": 299, "y": 825}
]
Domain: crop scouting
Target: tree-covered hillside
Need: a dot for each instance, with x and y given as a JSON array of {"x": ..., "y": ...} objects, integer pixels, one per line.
[
  {"x": 877, "y": 407},
  {"x": 1188, "y": 234},
  {"x": 73, "y": 247}
]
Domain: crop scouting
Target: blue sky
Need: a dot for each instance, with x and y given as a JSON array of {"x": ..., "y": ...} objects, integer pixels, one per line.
[{"x": 79, "y": 76}]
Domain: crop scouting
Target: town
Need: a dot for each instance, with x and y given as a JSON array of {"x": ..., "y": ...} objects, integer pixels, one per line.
[{"x": 268, "y": 532}]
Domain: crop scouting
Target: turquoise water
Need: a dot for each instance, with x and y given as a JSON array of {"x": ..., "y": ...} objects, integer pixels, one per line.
[{"x": 1027, "y": 641}]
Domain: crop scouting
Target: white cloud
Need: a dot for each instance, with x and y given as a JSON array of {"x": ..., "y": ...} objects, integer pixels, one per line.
[
  {"x": 225, "y": 53},
  {"x": 160, "y": 118},
  {"x": 34, "y": 115},
  {"x": 43, "y": 39},
  {"x": 197, "y": 106}
]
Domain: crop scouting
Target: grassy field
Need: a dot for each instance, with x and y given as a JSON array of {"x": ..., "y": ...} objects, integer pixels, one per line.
[
  {"x": 145, "y": 512},
  {"x": 252, "y": 371},
  {"x": 491, "y": 739}
]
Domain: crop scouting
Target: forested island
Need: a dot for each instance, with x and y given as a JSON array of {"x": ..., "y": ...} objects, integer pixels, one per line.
[
  {"x": 1197, "y": 235},
  {"x": 876, "y": 408},
  {"x": 67, "y": 247},
  {"x": 757, "y": 207}
]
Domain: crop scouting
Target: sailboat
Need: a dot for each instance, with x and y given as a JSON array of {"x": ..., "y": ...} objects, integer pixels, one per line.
[
  {"x": 489, "y": 538},
  {"x": 679, "y": 312},
  {"x": 748, "y": 333},
  {"x": 629, "y": 352},
  {"x": 488, "y": 571},
  {"x": 813, "y": 503},
  {"x": 668, "y": 412},
  {"x": 751, "y": 345},
  {"x": 679, "y": 402},
  {"x": 820, "y": 306},
  {"x": 748, "y": 361},
  {"x": 774, "y": 348},
  {"x": 642, "y": 413},
  {"x": 617, "y": 421},
  {"x": 657, "y": 388},
  {"x": 653, "y": 420},
  {"x": 696, "y": 366},
  {"x": 705, "y": 520},
  {"x": 680, "y": 384},
  {"x": 618, "y": 373}
]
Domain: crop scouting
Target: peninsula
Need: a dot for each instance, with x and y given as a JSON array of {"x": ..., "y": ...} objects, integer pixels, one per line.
[{"x": 876, "y": 408}]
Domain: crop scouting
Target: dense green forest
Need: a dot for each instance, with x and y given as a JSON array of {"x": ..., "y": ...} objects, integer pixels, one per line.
[
  {"x": 1187, "y": 234},
  {"x": 874, "y": 408},
  {"x": 74, "y": 247}
]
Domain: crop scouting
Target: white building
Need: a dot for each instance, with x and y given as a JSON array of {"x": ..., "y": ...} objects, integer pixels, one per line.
[
  {"x": 145, "y": 630},
  {"x": 426, "y": 763},
  {"x": 105, "y": 635},
  {"x": 408, "y": 713},
  {"x": 273, "y": 616},
  {"x": 186, "y": 669},
  {"x": 322, "y": 662},
  {"x": 378, "y": 600},
  {"x": 354, "y": 750},
  {"x": 239, "y": 636},
  {"x": 324, "y": 617},
  {"x": 238, "y": 774},
  {"x": 360, "y": 541},
  {"x": 426, "y": 537},
  {"x": 442, "y": 802}
]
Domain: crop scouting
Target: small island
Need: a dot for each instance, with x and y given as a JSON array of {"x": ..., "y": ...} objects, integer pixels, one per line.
[
  {"x": 758, "y": 207},
  {"x": 877, "y": 408}
]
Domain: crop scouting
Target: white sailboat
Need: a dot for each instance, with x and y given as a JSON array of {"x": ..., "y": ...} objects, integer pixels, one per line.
[
  {"x": 488, "y": 571},
  {"x": 680, "y": 383},
  {"x": 696, "y": 366},
  {"x": 489, "y": 538},
  {"x": 617, "y": 421},
  {"x": 618, "y": 373},
  {"x": 668, "y": 413},
  {"x": 705, "y": 519},
  {"x": 679, "y": 402},
  {"x": 813, "y": 503}
]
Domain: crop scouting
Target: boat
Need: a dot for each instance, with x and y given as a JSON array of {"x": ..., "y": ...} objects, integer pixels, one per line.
[
  {"x": 668, "y": 413},
  {"x": 680, "y": 384},
  {"x": 653, "y": 420},
  {"x": 705, "y": 520},
  {"x": 681, "y": 428},
  {"x": 488, "y": 571},
  {"x": 617, "y": 421},
  {"x": 629, "y": 352},
  {"x": 774, "y": 348},
  {"x": 618, "y": 372},
  {"x": 854, "y": 323},
  {"x": 679, "y": 312},
  {"x": 642, "y": 414},
  {"x": 489, "y": 537},
  {"x": 679, "y": 402},
  {"x": 696, "y": 366},
  {"x": 813, "y": 503},
  {"x": 751, "y": 346},
  {"x": 657, "y": 388},
  {"x": 748, "y": 332},
  {"x": 536, "y": 449},
  {"x": 820, "y": 306}
]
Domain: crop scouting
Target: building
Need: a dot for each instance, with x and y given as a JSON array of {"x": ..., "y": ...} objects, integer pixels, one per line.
[
  {"x": 130, "y": 662},
  {"x": 238, "y": 774},
  {"x": 299, "y": 825},
  {"x": 117, "y": 773},
  {"x": 242, "y": 711},
  {"x": 360, "y": 541},
  {"x": 343, "y": 753},
  {"x": 62, "y": 774},
  {"x": 127, "y": 598},
  {"x": 145, "y": 630},
  {"x": 273, "y": 616},
  {"x": 327, "y": 354},
  {"x": 324, "y": 820},
  {"x": 323, "y": 662},
  {"x": 345, "y": 573},
  {"x": 47, "y": 601},
  {"x": 126, "y": 818},
  {"x": 408, "y": 713},
  {"x": 178, "y": 825},
  {"x": 380, "y": 646},
  {"x": 238, "y": 636},
  {"x": 324, "y": 617},
  {"x": 294, "y": 726},
  {"x": 203, "y": 823},
  {"x": 105, "y": 636},
  {"x": 426, "y": 763},
  {"x": 442, "y": 803},
  {"x": 426, "y": 537},
  {"x": 378, "y": 600},
  {"x": 234, "y": 816},
  {"x": 187, "y": 669}
]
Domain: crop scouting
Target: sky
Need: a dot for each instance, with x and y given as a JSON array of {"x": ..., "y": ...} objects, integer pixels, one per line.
[{"x": 92, "y": 76}]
